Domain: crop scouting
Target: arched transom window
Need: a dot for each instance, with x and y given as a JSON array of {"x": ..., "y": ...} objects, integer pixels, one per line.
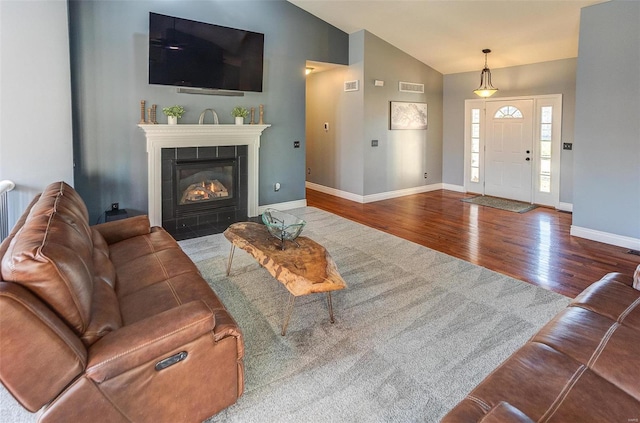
[{"x": 508, "y": 112}]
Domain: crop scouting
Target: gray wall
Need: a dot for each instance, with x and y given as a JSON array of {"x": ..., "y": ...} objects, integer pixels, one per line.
[
  {"x": 607, "y": 155},
  {"x": 35, "y": 114},
  {"x": 555, "y": 77},
  {"x": 403, "y": 156},
  {"x": 109, "y": 73},
  {"x": 343, "y": 158},
  {"x": 326, "y": 103}
]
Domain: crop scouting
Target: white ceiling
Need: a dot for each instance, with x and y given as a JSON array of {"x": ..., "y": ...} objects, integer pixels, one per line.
[{"x": 449, "y": 35}]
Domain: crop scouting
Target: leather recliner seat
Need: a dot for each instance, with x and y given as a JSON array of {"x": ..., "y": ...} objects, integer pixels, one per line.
[{"x": 111, "y": 322}]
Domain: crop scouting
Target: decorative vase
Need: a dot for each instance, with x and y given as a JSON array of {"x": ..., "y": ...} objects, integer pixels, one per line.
[
  {"x": 172, "y": 120},
  {"x": 239, "y": 120}
]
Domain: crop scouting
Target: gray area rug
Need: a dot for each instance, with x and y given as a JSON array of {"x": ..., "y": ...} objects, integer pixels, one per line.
[
  {"x": 500, "y": 203},
  {"x": 415, "y": 329}
]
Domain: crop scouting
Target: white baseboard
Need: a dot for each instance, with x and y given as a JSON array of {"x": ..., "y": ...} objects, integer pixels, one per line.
[
  {"x": 296, "y": 204},
  {"x": 335, "y": 192},
  {"x": 607, "y": 238},
  {"x": 401, "y": 193},
  {"x": 456, "y": 188},
  {"x": 372, "y": 197},
  {"x": 567, "y": 207}
]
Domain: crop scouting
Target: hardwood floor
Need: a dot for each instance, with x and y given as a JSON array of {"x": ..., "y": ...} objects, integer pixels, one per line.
[{"x": 534, "y": 247}]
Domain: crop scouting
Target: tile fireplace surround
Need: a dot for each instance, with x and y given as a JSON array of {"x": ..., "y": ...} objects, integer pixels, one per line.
[{"x": 187, "y": 135}]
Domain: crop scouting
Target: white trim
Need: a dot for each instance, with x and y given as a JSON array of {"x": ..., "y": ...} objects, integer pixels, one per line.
[
  {"x": 335, "y": 192},
  {"x": 188, "y": 135},
  {"x": 373, "y": 197},
  {"x": 289, "y": 205},
  {"x": 568, "y": 207},
  {"x": 401, "y": 193},
  {"x": 607, "y": 238},
  {"x": 456, "y": 188}
]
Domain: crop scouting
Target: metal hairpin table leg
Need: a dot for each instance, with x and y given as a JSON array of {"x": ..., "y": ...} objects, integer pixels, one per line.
[
  {"x": 288, "y": 313},
  {"x": 331, "y": 319},
  {"x": 233, "y": 247}
]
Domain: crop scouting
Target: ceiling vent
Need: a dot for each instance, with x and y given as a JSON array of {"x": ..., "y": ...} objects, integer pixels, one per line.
[
  {"x": 411, "y": 87},
  {"x": 352, "y": 85}
]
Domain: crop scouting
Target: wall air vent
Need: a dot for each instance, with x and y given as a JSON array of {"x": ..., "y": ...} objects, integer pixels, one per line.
[
  {"x": 352, "y": 85},
  {"x": 411, "y": 87}
]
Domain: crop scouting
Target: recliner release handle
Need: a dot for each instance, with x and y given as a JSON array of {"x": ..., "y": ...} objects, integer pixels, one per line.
[{"x": 170, "y": 361}]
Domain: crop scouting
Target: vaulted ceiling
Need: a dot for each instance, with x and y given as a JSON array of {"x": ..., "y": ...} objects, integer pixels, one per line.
[{"x": 449, "y": 35}]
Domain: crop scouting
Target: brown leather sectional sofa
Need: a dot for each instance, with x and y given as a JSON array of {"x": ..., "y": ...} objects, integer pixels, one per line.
[
  {"x": 111, "y": 322},
  {"x": 583, "y": 366}
]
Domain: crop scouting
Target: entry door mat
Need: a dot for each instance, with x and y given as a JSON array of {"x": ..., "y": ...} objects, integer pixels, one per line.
[{"x": 500, "y": 203}]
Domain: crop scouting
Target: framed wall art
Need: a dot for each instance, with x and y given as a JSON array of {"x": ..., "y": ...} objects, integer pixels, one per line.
[{"x": 406, "y": 115}]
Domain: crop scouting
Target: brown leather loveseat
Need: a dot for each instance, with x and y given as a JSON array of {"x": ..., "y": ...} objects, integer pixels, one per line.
[
  {"x": 583, "y": 366},
  {"x": 111, "y": 322}
]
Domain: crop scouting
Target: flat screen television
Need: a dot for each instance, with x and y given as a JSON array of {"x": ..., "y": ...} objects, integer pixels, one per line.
[{"x": 195, "y": 54}]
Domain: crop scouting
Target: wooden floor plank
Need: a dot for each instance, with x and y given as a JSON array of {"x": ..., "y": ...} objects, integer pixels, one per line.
[{"x": 535, "y": 246}]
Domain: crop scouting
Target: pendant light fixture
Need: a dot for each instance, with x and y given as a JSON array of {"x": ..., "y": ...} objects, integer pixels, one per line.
[{"x": 485, "y": 89}]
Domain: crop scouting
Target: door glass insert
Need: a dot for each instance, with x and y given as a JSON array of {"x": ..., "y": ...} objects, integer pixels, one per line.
[{"x": 508, "y": 112}]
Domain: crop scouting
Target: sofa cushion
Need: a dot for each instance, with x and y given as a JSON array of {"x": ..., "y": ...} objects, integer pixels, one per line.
[
  {"x": 105, "y": 313},
  {"x": 611, "y": 297},
  {"x": 103, "y": 267},
  {"x": 505, "y": 413},
  {"x": 52, "y": 255},
  {"x": 155, "y": 275}
]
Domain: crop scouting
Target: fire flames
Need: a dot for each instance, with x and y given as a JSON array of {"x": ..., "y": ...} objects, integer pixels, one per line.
[{"x": 204, "y": 191}]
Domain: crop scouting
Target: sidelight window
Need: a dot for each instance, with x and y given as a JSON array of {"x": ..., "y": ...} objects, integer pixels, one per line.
[
  {"x": 475, "y": 145},
  {"x": 546, "y": 125}
]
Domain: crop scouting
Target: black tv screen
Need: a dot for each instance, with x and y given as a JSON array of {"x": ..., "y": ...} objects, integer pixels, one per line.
[{"x": 195, "y": 54}]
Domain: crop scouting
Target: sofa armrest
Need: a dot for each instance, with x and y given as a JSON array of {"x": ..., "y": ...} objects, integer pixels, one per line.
[
  {"x": 119, "y": 230},
  {"x": 148, "y": 339},
  {"x": 40, "y": 355}
]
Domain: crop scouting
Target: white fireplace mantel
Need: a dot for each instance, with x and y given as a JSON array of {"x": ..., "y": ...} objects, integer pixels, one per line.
[{"x": 175, "y": 136}]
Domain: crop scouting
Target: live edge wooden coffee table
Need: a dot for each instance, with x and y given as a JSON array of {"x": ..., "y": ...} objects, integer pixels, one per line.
[{"x": 305, "y": 268}]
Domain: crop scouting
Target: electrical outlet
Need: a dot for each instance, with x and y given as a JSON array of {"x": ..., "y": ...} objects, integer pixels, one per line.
[
  {"x": 425, "y": 175},
  {"x": 374, "y": 143},
  {"x": 276, "y": 186},
  {"x": 115, "y": 206},
  {"x": 567, "y": 146},
  {"x": 296, "y": 144},
  {"x": 308, "y": 171}
]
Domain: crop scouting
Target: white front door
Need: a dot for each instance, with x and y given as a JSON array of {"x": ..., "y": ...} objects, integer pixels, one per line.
[
  {"x": 498, "y": 133},
  {"x": 509, "y": 149}
]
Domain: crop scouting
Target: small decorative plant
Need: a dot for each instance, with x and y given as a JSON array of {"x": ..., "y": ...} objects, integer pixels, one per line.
[
  {"x": 240, "y": 112},
  {"x": 175, "y": 111}
]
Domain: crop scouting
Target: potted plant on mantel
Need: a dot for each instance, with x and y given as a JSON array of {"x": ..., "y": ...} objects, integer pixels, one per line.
[
  {"x": 240, "y": 113},
  {"x": 173, "y": 114}
]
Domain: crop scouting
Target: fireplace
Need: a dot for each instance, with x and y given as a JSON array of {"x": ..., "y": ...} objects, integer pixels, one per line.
[
  {"x": 204, "y": 185},
  {"x": 204, "y": 189},
  {"x": 188, "y": 142}
]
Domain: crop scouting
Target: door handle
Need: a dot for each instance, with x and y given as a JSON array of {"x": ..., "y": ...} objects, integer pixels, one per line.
[{"x": 527, "y": 159}]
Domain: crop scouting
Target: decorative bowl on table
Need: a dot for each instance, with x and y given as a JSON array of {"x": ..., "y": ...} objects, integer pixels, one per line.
[{"x": 284, "y": 226}]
